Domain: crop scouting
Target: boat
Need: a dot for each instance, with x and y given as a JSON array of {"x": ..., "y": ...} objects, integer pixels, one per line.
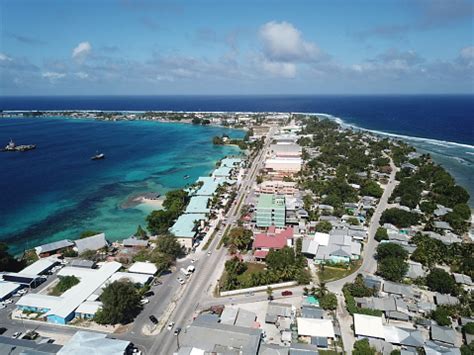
[
  {"x": 98, "y": 156},
  {"x": 185, "y": 177},
  {"x": 12, "y": 147}
]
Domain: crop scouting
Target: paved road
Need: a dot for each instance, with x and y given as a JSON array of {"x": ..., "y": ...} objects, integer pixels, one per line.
[
  {"x": 200, "y": 286},
  {"x": 369, "y": 266}
]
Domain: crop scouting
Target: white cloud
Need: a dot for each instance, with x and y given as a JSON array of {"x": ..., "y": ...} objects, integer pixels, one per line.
[
  {"x": 4, "y": 58},
  {"x": 53, "y": 76},
  {"x": 282, "y": 42},
  {"x": 81, "y": 75},
  {"x": 279, "y": 69},
  {"x": 466, "y": 56},
  {"x": 81, "y": 51}
]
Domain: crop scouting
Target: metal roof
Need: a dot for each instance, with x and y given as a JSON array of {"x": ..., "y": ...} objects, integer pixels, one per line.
[
  {"x": 94, "y": 242},
  {"x": 60, "y": 244},
  {"x": 184, "y": 225},
  {"x": 198, "y": 204},
  {"x": 93, "y": 343},
  {"x": 7, "y": 288}
]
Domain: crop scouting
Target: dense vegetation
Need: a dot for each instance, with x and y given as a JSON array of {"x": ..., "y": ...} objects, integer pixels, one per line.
[
  {"x": 358, "y": 289},
  {"x": 391, "y": 261},
  {"x": 238, "y": 238},
  {"x": 281, "y": 265},
  {"x": 362, "y": 347},
  {"x": 120, "y": 303},
  {"x": 166, "y": 251},
  {"x": 381, "y": 234},
  {"x": 174, "y": 204},
  {"x": 7, "y": 261},
  {"x": 399, "y": 218},
  {"x": 440, "y": 281}
]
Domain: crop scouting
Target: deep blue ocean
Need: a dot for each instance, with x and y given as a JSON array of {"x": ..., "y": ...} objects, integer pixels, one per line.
[{"x": 56, "y": 191}]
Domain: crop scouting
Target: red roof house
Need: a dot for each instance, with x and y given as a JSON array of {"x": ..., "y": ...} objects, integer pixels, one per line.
[{"x": 263, "y": 242}]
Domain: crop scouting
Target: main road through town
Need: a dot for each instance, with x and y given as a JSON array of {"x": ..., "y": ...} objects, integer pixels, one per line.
[{"x": 210, "y": 265}]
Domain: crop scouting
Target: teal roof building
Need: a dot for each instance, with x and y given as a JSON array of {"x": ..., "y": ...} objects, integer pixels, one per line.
[{"x": 271, "y": 211}]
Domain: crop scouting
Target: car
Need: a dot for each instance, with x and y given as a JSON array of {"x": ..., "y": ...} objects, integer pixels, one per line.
[
  {"x": 153, "y": 319},
  {"x": 182, "y": 282},
  {"x": 177, "y": 330},
  {"x": 209, "y": 252},
  {"x": 287, "y": 293},
  {"x": 16, "y": 335},
  {"x": 193, "y": 261},
  {"x": 149, "y": 294},
  {"x": 22, "y": 291},
  {"x": 8, "y": 301},
  {"x": 145, "y": 301},
  {"x": 170, "y": 325}
]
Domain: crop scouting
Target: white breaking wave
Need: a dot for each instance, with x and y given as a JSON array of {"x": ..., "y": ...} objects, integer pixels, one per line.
[{"x": 445, "y": 144}]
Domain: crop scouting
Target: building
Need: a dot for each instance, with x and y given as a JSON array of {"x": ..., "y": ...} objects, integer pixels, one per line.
[
  {"x": 277, "y": 310},
  {"x": 140, "y": 267},
  {"x": 185, "y": 228},
  {"x": 277, "y": 187},
  {"x": 368, "y": 326},
  {"x": 7, "y": 289},
  {"x": 263, "y": 242},
  {"x": 283, "y": 166},
  {"x": 212, "y": 337},
  {"x": 315, "y": 328},
  {"x": 93, "y": 243},
  {"x": 271, "y": 211},
  {"x": 326, "y": 248},
  {"x": 12, "y": 346},
  {"x": 85, "y": 342},
  {"x": 285, "y": 150},
  {"x": 134, "y": 242},
  {"x": 61, "y": 309},
  {"x": 198, "y": 205},
  {"x": 53, "y": 248}
]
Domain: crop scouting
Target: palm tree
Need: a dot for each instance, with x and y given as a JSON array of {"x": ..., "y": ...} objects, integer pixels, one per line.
[
  {"x": 270, "y": 293},
  {"x": 322, "y": 289}
]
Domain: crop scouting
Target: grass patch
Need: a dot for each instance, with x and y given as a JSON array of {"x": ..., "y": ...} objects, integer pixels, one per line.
[
  {"x": 224, "y": 235},
  {"x": 244, "y": 277},
  {"x": 331, "y": 273},
  {"x": 328, "y": 352},
  {"x": 64, "y": 284},
  {"x": 211, "y": 238}
]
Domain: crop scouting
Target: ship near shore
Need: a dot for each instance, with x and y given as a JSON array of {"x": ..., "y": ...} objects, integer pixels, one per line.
[{"x": 12, "y": 147}]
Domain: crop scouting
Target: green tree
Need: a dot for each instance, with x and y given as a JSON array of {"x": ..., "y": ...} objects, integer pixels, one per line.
[
  {"x": 440, "y": 281},
  {"x": 120, "y": 303},
  {"x": 240, "y": 237},
  {"x": 141, "y": 233},
  {"x": 468, "y": 328},
  {"x": 159, "y": 221},
  {"x": 7, "y": 261},
  {"x": 371, "y": 188},
  {"x": 385, "y": 250},
  {"x": 323, "y": 227},
  {"x": 399, "y": 218},
  {"x": 467, "y": 349},
  {"x": 381, "y": 234},
  {"x": 441, "y": 316},
  {"x": 235, "y": 266},
  {"x": 362, "y": 347},
  {"x": 64, "y": 284},
  {"x": 169, "y": 245},
  {"x": 328, "y": 301},
  {"x": 392, "y": 268},
  {"x": 395, "y": 352}
]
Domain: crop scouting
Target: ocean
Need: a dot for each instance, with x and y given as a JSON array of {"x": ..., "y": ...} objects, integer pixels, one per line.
[
  {"x": 63, "y": 192},
  {"x": 56, "y": 191}
]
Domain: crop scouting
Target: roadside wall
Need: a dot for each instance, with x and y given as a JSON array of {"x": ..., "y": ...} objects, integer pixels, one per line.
[{"x": 258, "y": 288}]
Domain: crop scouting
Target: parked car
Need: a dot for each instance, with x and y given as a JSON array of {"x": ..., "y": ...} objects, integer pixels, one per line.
[
  {"x": 287, "y": 293},
  {"x": 16, "y": 335},
  {"x": 177, "y": 330},
  {"x": 170, "y": 325},
  {"x": 209, "y": 252},
  {"x": 144, "y": 301},
  {"x": 153, "y": 319},
  {"x": 149, "y": 294}
]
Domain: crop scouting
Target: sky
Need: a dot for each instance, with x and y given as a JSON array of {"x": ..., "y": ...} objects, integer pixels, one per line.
[{"x": 140, "y": 47}]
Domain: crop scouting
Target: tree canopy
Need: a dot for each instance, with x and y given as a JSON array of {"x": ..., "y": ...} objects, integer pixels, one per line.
[
  {"x": 399, "y": 218},
  {"x": 440, "y": 281},
  {"x": 362, "y": 347},
  {"x": 120, "y": 303},
  {"x": 169, "y": 245}
]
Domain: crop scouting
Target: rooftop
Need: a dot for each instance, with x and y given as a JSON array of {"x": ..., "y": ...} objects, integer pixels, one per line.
[
  {"x": 94, "y": 242},
  {"x": 184, "y": 225},
  {"x": 271, "y": 201},
  {"x": 93, "y": 343},
  {"x": 369, "y": 326}
]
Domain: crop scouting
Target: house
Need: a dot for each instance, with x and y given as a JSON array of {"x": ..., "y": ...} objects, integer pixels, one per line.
[
  {"x": 185, "y": 228},
  {"x": 313, "y": 327},
  {"x": 239, "y": 317},
  {"x": 393, "y": 307},
  {"x": 366, "y": 326},
  {"x": 335, "y": 249},
  {"x": 86, "y": 342},
  {"x": 198, "y": 205},
  {"x": 415, "y": 270},
  {"x": 93, "y": 243},
  {"x": 263, "y": 242},
  {"x": 283, "y": 166},
  {"x": 53, "y": 248},
  {"x": 270, "y": 211},
  {"x": 88, "y": 264},
  {"x": 7, "y": 289},
  {"x": 134, "y": 242},
  {"x": 401, "y": 290},
  {"x": 443, "y": 335},
  {"x": 445, "y": 300},
  {"x": 277, "y": 187},
  {"x": 312, "y": 312},
  {"x": 276, "y": 310},
  {"x": 140, "y": 267},
  {"x": 12, "y": 346},
  {"x": 303, "y": 349},
  {"x": 411, "y": 338},
  {"x": 431, "y": 348},
  {"x": 463, "y": 279},
  {"x": 442, "y": 225},
  {"x": 213, "y": 337}
]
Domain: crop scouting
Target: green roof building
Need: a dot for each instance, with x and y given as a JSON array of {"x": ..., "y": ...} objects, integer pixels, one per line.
[{"x": 271, "y": 211}]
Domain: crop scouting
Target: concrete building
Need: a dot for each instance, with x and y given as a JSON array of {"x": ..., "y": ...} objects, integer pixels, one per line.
[
  {"x": 185, "y": 230},
  {"x": 270, "y": 211},
  {"x": 285, "y": 150},
  {"x": 85, "y": 342},
  {"x": 61, "y": 309},
  {"x": 287, "y": 188},
  {"x": 53, "y": 248},
  {"x": 263, "y": 242},
  {"x": 94, "y": 243},
  {"x": 284, "y": 165}
]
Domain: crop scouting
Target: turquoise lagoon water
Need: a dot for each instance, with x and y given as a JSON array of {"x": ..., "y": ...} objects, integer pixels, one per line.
[{"x": 57, "y": 192}]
